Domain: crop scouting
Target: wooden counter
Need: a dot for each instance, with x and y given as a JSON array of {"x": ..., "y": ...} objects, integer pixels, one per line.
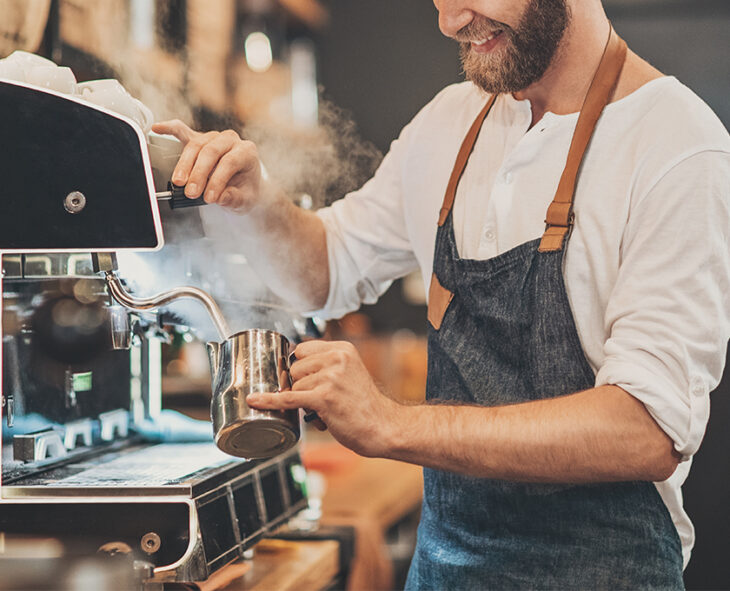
[
  {"x": 280, "y": 565},
  {"x": 384, "y": 491},
  {"x": 369, "y": 494}
]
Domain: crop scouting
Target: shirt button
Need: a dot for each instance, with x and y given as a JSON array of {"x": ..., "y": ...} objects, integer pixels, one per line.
[
  {"x": 508, "y": 178},
  {"x": 698, "y": 389},
  {"x": 489, "y": 234}
]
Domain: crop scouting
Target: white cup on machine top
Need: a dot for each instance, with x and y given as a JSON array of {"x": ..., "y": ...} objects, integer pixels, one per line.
[
  {"x": 27, "y": 60},
  {"x": 22, "y": 66},
  {"x": 110, "y": 94},
  {"x": 53, "y": 77},
  {"x": 19, "y": 63},
  {"x": 11, "y": 71}
]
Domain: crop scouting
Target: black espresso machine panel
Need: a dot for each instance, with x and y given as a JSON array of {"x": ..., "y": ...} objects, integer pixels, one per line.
[
  {"x": 79, "y": 372},
  {"x": 75, "y": 178}
]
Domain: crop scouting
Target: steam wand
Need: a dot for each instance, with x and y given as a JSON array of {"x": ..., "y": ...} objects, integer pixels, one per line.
[{"x": 106, "y": 262}]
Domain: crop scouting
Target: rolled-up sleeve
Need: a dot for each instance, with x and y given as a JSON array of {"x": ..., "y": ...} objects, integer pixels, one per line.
[
  {"x": 367, "y": 240},
  {"x": 668, "y": 317}
]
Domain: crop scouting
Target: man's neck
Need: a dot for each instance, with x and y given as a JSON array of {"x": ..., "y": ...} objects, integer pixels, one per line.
[{"x": 564, "y": 86}]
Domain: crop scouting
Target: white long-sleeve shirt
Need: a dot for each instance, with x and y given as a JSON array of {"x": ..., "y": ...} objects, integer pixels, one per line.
[{"x": 647, "y": 268}]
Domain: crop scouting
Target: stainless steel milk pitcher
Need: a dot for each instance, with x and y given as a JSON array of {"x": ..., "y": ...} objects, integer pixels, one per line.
[{"x": 251, "y": 361}]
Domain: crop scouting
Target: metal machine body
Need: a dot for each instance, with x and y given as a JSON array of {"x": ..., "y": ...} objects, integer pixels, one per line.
[
  {"x": 188, "y": 509},
  {"x": 79, "y": 372}
]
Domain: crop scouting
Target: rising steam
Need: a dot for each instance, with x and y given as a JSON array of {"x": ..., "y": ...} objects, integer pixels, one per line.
[
  {"x": 203, "y": 246},
  {"x": 325, "y": 164}
]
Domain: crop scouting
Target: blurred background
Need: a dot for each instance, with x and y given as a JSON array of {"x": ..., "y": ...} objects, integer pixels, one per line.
[{"x": 324, "y": 86}]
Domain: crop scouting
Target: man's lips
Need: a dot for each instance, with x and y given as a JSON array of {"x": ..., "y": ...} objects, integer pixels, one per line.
[{"x": 488, "y": 43}]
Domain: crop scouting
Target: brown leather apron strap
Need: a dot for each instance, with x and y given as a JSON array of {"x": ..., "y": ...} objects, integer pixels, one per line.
[
  {"x": 559, "y": 219},
  {"x": 464, "y": 152},
  {"x": 439, "y": 297}
]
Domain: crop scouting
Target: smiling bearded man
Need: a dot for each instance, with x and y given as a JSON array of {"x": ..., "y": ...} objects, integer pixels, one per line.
[
  {"x": 569, "y": 366},
  {"x": 522, "y": 55}
]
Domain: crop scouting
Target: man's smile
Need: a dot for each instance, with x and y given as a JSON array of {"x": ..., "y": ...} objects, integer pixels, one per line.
[{"x": 488, "y": 43}]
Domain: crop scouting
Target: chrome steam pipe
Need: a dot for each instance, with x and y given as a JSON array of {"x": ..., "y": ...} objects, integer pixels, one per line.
[{"x": 127, "y": 300}]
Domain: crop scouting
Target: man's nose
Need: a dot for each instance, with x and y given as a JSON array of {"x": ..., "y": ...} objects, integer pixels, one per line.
[{"x": 454, "y": 15}]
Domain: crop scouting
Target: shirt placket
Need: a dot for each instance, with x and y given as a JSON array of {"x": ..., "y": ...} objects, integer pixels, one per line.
[{"x": 505, "y": 194}]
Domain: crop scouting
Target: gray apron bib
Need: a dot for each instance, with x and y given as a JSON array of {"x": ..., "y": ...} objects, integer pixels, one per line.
[{"x": 502, "y": 332}]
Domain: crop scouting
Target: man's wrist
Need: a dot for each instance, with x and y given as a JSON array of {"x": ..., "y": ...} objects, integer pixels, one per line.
[{"x": 401, "y": 430}]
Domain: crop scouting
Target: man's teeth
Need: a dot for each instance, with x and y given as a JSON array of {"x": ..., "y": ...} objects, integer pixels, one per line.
[{"x": 487, "y": 39}]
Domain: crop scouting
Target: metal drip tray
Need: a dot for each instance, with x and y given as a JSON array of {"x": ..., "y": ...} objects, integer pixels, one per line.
[{"x": 165, "y": 469}]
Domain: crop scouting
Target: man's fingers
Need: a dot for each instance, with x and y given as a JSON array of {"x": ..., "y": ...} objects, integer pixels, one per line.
[
  {"x": 210, "y": 161},
  {"x": 239, "y": 160},
  {"x": 208, "y": 157},
  {"x": 181, "y": 174},
  {"x": 185, "y": 134},
  {"x": 287, "y": 400},
  {"x": 226, "y": 198},
  {"x": 307, "y": 366},
  {"x": 308, "y": 348},
  {"x": 282, "y": 400},
  {"x": 307, "y": 383},
  {"x": 174, "y": 127}
]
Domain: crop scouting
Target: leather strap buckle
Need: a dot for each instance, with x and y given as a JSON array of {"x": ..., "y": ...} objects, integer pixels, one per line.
[
  {"x": 556, "y": 235},
  {"x": 569, "y": 225}
]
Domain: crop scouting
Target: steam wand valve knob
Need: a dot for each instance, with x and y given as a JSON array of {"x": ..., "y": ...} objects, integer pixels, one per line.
[
  {"x": 175, "y": 194},
  {"x": 104, "y": 262}
]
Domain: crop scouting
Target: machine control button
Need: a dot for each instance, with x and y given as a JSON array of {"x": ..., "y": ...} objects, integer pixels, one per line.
[
  {"x": 74, "y": 202},
  {"x": 150, "y": 543}
]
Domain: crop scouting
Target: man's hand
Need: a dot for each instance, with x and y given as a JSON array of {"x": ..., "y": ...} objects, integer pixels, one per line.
[
  {"x": 330, "y": 378},
  {"x": 218, "y": 165}
]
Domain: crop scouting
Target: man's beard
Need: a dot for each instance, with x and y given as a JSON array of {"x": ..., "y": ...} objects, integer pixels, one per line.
[{"x": 528, "y": 50}]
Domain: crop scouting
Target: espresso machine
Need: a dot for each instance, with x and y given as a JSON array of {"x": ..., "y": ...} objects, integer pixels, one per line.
[{"x": 80, "y": 372}]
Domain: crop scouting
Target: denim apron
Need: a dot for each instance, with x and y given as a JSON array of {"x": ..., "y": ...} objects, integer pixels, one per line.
[{"x": 502, "y": 332}]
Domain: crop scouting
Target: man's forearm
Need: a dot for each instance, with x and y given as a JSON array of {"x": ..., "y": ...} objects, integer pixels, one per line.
[
  {"x": 287, "y": 247},
  {"x": 602, "y": 434}
]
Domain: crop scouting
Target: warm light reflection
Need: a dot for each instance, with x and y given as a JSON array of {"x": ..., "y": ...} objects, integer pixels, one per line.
[{"x": 258, "y": 52}]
